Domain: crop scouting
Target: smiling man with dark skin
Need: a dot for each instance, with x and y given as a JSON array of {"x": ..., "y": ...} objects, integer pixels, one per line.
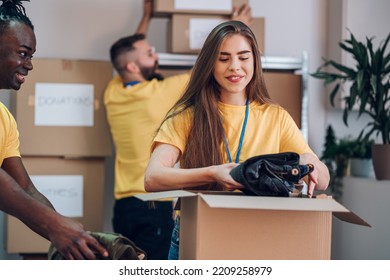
[{"x": 18, "y": 195}]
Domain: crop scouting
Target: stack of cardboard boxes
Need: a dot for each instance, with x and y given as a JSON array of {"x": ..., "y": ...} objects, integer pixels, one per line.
[
  {"x": 192, "y": 21},
  {"x": 64, "y": 140}
]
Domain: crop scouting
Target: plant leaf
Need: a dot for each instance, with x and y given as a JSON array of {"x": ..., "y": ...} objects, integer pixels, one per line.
[
  {"x": 345, "y": 116},
  {"x": 333, "y": 94},
  {"x": 350, "y": 73}
]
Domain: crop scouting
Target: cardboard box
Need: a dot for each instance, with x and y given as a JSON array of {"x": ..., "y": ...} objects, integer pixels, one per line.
[
  {"x": 188, "y": 32},
  {"x": 286, "y": 90},
  {"x": 173, "y": 72},
  {"x": 60, "y": 110},
  {"x": 220, "y": 225},
  {"x": 163, "y": 8},
  {"x": 83, "y": 198}
]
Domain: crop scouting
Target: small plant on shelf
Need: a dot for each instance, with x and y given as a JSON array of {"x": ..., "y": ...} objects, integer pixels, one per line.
[{"x": 336, "y": 155}]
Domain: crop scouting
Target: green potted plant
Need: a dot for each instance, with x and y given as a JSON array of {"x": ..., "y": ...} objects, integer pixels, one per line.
[
  {"x": 369, "y": 91},
  {"x": 360, "y": 161}
]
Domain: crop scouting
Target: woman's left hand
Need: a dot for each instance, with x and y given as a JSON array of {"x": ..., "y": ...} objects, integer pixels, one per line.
[{"x": 313, "y": 177}]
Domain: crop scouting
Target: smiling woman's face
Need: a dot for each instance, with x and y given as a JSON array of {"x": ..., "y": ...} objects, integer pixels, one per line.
[
  {"x": 17, "y": 46},
  {"x": 233, "y": 69}
]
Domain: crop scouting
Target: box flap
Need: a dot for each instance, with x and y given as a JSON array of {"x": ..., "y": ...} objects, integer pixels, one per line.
[
  {"x": 272, "y": 203},
  {"x": 282, "y": 203},
  {"x": 236, "y": 200},
  {"x": 351, "y": 217},
  {"x": 152, "y": 196}
]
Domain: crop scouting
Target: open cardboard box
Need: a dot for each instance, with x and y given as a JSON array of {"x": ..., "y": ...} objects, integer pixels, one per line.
[{"x": 230, "y": 225}]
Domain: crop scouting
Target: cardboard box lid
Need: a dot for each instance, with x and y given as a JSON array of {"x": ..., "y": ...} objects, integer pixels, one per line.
[
  {"x": 165, "y": 8},
  {"x": 235, "y": 200}
]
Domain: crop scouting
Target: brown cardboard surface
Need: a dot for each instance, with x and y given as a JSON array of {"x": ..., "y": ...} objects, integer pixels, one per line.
[
  {"x": 73, "y": 141},
  {"x": 271, "y": 203},
  {"x": 180, "y": 32},
  {"x": 20, "y": 239},
  {"x": 286, "y": 90},
  {"x": 172, "y": 72},
  {"x": 163, "y": 8},
  {"x": 220, "y": 225},
  {"x": 208, "y": 233},
  {"x": 237, "y": 200}
]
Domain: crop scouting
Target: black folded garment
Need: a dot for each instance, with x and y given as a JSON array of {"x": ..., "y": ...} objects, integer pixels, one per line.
[{"x": 271, "y": 174}]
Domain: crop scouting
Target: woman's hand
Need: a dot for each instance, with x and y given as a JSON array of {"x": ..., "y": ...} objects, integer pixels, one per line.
[
  {"x": 221, "y": 174},
  {"x": 319, "y": 178}
]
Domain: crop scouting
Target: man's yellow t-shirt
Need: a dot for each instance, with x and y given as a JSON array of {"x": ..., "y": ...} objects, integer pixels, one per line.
[
  {"x": 134, "y": 114},
  {"x": 9, "y": 135}
]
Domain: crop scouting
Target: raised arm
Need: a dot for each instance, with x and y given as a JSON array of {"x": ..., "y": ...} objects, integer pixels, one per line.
[
  {"x": 143, "y": 25},
  {"x": 243, "y": 13}
]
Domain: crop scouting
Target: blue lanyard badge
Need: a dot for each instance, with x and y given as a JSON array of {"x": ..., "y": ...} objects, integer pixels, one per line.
[{"x": 241, "y": 136}]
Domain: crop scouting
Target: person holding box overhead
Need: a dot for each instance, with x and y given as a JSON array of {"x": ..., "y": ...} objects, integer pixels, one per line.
[
  {"x": 136, "y": 102},
  {"x": 18, "y": 195},
  {"x": 224, "y": 117}
]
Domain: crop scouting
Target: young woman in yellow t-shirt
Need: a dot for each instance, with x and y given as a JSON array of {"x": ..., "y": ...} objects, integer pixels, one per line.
[{"x": 224, "y": 117}]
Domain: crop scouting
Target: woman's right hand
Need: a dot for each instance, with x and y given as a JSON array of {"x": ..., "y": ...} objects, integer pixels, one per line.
[{"x": 222, "y": 176}]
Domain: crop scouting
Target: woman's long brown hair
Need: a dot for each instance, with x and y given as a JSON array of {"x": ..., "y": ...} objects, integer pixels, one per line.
[{"x": 205, "y": 139}]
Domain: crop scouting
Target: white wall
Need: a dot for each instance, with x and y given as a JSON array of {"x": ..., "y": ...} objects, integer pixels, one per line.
[
  {"x": 292, "y": 27},
  {"x": 86, "y": 29},
  {"x": 367, "y": 198}
]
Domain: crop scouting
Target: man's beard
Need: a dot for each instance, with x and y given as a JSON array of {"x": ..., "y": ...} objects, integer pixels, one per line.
[
  {"x": 150, "y": 73},
  {"x": 157, "y": 76}
]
